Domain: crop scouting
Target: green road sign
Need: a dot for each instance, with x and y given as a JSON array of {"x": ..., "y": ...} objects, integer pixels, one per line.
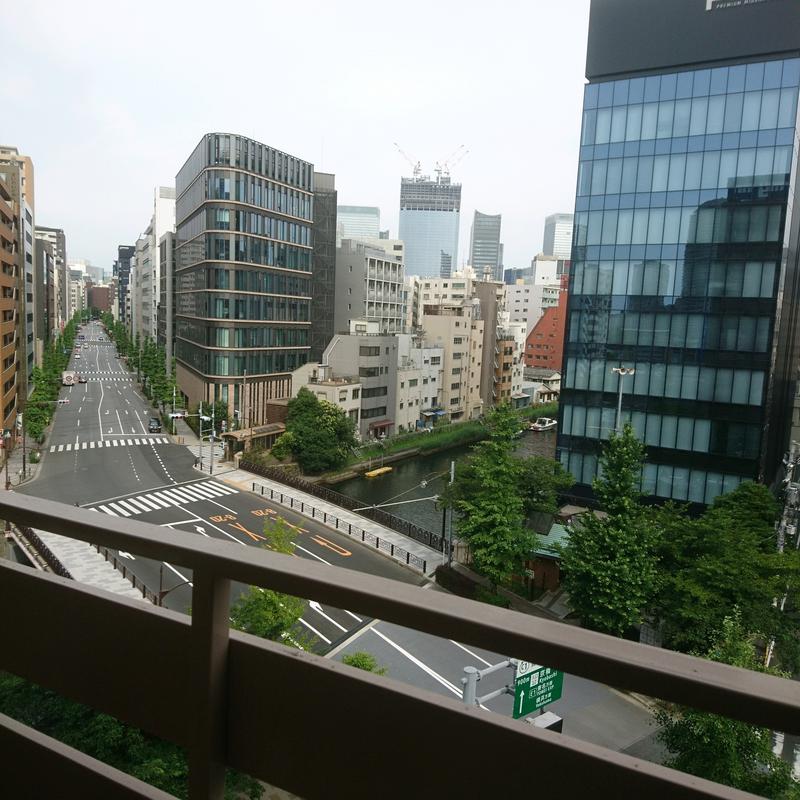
[{"x": 534, "y": 687}]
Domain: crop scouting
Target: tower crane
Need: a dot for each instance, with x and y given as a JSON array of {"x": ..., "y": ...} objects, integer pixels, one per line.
[
  {"x": 451, "y": 160},
  {"x": 416, "y": 167}
]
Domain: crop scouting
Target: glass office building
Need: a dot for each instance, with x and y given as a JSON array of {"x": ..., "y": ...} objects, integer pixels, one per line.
[
  {"x": 685, "y": 269},
  {"x": 430, "y": 211},
  {"x": 243, "y": 252}
]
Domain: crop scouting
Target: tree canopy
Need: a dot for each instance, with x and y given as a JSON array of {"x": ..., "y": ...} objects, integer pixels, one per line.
[
  {"x": 725, "y": 750},
  {"x": 319, "y": 435},
  {"x": 609, "y": 561}
]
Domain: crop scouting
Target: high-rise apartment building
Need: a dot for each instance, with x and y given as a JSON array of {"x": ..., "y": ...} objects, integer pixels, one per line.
[
  {"x": 323, "y": 274},
  {"x": 59, "y": 301},
  {"x": 244, "y": 213},
  {"x": 685, "y": 264},
  {"x": 17, "y": 171},
  {"x": 370, "y": 284},
  {"x": 485, "y": 250},
  {"x": 9, "y": 305},
  {"x": 355, "y": 222},
  {"x": 165, "y": 336},
  {"x": 121, "y": 271},
  {"x": 558, "y": 236},
  {"x": 429, "y": 219}
]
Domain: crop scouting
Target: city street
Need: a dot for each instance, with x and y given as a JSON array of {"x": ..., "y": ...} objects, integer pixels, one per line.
[{"x": 100, "y": 455}]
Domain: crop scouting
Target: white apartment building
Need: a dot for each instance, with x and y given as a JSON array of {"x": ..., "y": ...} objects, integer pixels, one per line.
[
  {"x": 457, "y": 328},
  {"x": 525, "y": 302},
  {"x": 148, "y": 260},
  {"x": 419, "y": 384},
  {"x": 77, "y": 293},
  {"x": 370, "y": 284}
]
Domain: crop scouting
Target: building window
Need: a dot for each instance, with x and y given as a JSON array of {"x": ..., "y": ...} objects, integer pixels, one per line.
[{"x": 356, "y": 394}]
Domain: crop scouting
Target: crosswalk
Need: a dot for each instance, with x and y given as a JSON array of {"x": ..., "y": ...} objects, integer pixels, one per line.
[
  {"x": 165, "y": 498},
  {"x": 133, "y": 442},
  {"x": 93, "y": 372}
]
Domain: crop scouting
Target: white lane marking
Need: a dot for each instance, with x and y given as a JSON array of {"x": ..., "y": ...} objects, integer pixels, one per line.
[
  {"x": 198, "y": 489},
  {"x": 211, "y": 490},
  {"x": 223, "y": 489},
  {"x": 107, "y": 444},
  {"x": 119, "y": 509},
  {"x": 128, "y": 505},
  {"x": 318, "y": 608},
  {"x": 474, "y": 655},
  {"x": 91, "y": 445},
  {"x": 315, "y": 631},
  {"x": 313, "y": 555},
  {"x": 169, "y": 498},
  {"x": 119, "y": 420},
  {"x": 154, "y": 499},
  {"x": 77, "y": 423},
  {"x": 357, "y": 619},
  {"x": 182, "y": 522},
  {"x": 60, "y": 448},
  {"x": 136, "y": 442},
  {"x": 107, "y": 510},
  {"x": 179, "y": 574},
  {"x": 52, "y": 448},
  {"x": 129, "y": 442},
  {"x": 115, "y": 443},
  {"x": 424, "y": 667},
  {"x": 184, "y": 495}
]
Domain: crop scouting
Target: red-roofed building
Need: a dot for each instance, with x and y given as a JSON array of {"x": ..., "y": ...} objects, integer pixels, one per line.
[{"x": 544, "y": 346}]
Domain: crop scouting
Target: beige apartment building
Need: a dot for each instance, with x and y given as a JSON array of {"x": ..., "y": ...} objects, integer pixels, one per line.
[{"x": 457, "y": 328}]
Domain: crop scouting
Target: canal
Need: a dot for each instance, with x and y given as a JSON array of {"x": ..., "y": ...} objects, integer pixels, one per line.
[{"x": 405, "y": 481}]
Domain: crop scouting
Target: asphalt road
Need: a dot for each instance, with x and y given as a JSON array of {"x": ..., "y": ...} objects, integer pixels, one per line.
[{"x": 101, "y": 456}]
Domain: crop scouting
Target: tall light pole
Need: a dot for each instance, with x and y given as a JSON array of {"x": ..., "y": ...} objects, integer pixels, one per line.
[
  {"x": 211, "y": 458},
  {"x": 622, "y": 372}
]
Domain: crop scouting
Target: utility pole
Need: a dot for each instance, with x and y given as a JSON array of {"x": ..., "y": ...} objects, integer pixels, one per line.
[
  {"x": 211, "y": 458},
  {"x": 450, "y": 519},
  {"x": 174, "y": 421},
  {"x": 200, "y": 428},
  {"x": 622, "y": 372},
  {"x": 787, "y": 524}
]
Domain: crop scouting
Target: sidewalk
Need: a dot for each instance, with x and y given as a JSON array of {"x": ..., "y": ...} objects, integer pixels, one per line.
[
  {"x": 15, "y": 464},
  {"x": 320, "y": 510}
]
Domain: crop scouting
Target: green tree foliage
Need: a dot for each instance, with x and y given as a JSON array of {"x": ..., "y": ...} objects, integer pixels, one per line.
[
  {"x": 263, "y": 612},
  {"x": 541, "y": 482},
  {"x": 322, "y": 435},
  {"x": 724, "y": 750},
  {"x": 609, "y": 562},
  {"x": 491, "y": 511},
  {"x": 159, "y": 763},
  {"x": 363, "y": 660},
  {"x": 725, "y": 558}
]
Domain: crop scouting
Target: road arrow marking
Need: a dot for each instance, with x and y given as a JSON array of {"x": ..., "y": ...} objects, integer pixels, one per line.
[
  {"x": 201, "y": 531},
  {"x": 316, "y": 606},
  {"x": 125, "y": 554}
]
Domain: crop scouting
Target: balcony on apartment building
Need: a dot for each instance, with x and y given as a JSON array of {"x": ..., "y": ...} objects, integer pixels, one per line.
[{"x": 233, "y": 700}]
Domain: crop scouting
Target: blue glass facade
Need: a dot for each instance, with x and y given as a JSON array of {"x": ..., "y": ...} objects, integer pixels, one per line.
[{"x": 679, "y": 270}]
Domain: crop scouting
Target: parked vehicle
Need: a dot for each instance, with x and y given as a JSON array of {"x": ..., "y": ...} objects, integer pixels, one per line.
[
  {"x": 544, "y": 424},
  {"x": 68, "y": 377},
  {"x": 154, "y": 426},
  {"x": 81, "y": 379}
]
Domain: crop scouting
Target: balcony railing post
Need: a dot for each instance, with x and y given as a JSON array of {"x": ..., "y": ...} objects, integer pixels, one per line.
[{"x": 210, "y": 620}]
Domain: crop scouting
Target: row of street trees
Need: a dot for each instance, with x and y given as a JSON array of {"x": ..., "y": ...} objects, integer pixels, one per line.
[
  {"x": 708, "y": 583},
  {"x": 46, "y": 380}
]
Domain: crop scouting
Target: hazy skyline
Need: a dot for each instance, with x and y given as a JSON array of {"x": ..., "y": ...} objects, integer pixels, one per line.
[{"x": 109, "y": 100}]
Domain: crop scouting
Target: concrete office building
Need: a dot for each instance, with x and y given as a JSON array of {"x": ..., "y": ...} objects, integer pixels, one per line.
[
  {"x": 44, "y": 277},
  {"x": 429, "y": 222},
  {"x": 370, "y": 284},
  {"x": 526, "y": 303},
  {"x": 58, "y": 242},
  {"x": 323, "y": 275},
  {"x": 244, "y": 213},
  {"x": 165, "y": 335},
  {"x": 77, "y": 294},
  {"x": 419, "y": 384},
  {"x": 342, "y": 391},
  {"x": 685, "y": 264},
  {"x": 558, "y": 236},
  {"x": 485, "y": 249},
  {"x": 356, "y": 222}
]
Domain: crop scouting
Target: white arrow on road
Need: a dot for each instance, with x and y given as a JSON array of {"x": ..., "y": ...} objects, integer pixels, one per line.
[
  {"x": 201, "y": 531},
  {"x": 110, "y": 429},
  {"x": 125, "y": 554},
  {"x": 106, "y": 411},
  {"x": 316, "y": 606}
]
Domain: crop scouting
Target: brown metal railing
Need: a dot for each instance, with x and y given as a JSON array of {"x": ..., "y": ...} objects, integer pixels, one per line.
[{"x": 292, "y": 718}]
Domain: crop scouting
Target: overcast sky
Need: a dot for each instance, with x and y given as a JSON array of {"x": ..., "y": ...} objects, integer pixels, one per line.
[{"x": 109, "y": 99}]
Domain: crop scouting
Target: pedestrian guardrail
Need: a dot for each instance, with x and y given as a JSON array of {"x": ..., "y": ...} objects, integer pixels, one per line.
[
  {"x": 123, "y": 570},
  {"x": 35, "y": 541},
  {"x": 426, "y": 537},
  {"x": 343, "y": 526}
]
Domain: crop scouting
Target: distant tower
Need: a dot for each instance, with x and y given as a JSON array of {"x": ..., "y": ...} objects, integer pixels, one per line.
[
  {"x": 558, "y": 236},
  {"x": 485, "y": 249}
]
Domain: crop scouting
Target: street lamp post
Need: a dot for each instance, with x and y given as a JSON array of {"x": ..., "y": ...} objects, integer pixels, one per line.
[
  {"x": 622, "y": 372},
  {"x": 211, "y": 457}
]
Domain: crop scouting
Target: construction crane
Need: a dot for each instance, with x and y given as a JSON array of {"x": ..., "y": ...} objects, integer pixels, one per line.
[
  {"x": 443, "y": 167},
  {"x": 416, "y": 167}
]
